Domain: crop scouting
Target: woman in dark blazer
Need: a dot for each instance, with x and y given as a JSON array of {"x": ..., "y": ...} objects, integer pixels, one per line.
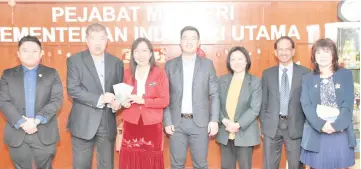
[
  {"x": 142, "y": 142},
  {"x": 327, "y": 100},
  {"x": 240, "y": 97}
]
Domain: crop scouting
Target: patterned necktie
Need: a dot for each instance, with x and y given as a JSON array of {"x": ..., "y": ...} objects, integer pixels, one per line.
[{"x": 284, "y": 93}]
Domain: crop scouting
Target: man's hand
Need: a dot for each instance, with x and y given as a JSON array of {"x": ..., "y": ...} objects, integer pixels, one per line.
[
  {"x": 212, "y": 128},
  {"x": 108, "y": 97},
  {"x": 29, "y": 126},
  {"x": 169, "y": 130},
  {"x": 136, "y": 99},
  {"x": 233, "y": 127},
  {"x": 327, "y": 128},
  {"x": 32, "y": 131},
  {"x": 115, "y": 105}
]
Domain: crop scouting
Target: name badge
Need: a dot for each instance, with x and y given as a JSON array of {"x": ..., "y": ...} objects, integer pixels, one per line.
[{"x": 152, "y": 84}]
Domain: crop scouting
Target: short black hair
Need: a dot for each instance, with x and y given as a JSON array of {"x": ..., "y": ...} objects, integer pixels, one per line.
[
  {"x": 245, "y": 53},
  {"x": 284, "y": 38},
  {"x": 325, "y": 44},
  {"x": 29, "y": 38},
  {"x": 189, "y": 28}
]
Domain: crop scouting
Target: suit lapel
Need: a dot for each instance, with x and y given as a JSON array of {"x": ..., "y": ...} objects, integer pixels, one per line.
[
  {"x": 19, "y": 77},
  {"x": 276, "y": 82},
  {"x": 243, "y": 94},
  {"x": 295, "y": 79},
  {"x": 197, "y": 65},
  {"x": 315, "y": 88},
  {"x": 179, "y": 69},
  {"x": 227, "y": 82},
  {"x": 107, "y": 72},
  {"x": 39, "y": 81},
  {"x": 89, "y": 63}
]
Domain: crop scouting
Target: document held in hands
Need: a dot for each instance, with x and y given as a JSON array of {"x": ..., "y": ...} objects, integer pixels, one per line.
[
  {"x": 122, "y": 91},
  {"x": 327, "y": 113}
]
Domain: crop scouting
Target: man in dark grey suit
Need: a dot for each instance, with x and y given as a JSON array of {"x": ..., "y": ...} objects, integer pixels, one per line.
[
  {"x": 30, "y": 96},
  {"x": 192, "y": 115},
  {"x": 281, "y": 114},
  {"x": 90, "y": 79}
]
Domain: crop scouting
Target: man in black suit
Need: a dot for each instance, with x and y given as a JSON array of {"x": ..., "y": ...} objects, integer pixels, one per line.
[
  {"x": 30, "y": 96},
  {"x": 90, "y": 79}
]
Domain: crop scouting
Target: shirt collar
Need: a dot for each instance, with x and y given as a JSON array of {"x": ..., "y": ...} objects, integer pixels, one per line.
[
  {"x": 289, "y": 67},
  {"x": 101, "y": 60},
  {"x": 191, "y": 60},
  {"x": 29, "y": 70}
]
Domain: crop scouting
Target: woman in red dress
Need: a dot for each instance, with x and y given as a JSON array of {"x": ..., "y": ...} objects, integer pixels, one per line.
[{"x": 142, "y": 142}]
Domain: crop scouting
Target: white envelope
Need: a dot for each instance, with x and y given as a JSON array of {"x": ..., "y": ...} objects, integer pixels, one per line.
[
  {"x": 122, "y": 91},
  {"x": 327, "y": 113}
]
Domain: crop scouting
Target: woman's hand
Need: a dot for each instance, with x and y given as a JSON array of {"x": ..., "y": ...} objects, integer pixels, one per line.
[
  {"x": 136, "y": 99},
  {"x": 327, "y": 128},
  {"x": 126, "y": 104},
  {"x": 233, "y": 127}
]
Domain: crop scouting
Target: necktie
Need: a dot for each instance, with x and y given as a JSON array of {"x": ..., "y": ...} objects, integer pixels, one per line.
[{"x": 284, "y": 93}]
